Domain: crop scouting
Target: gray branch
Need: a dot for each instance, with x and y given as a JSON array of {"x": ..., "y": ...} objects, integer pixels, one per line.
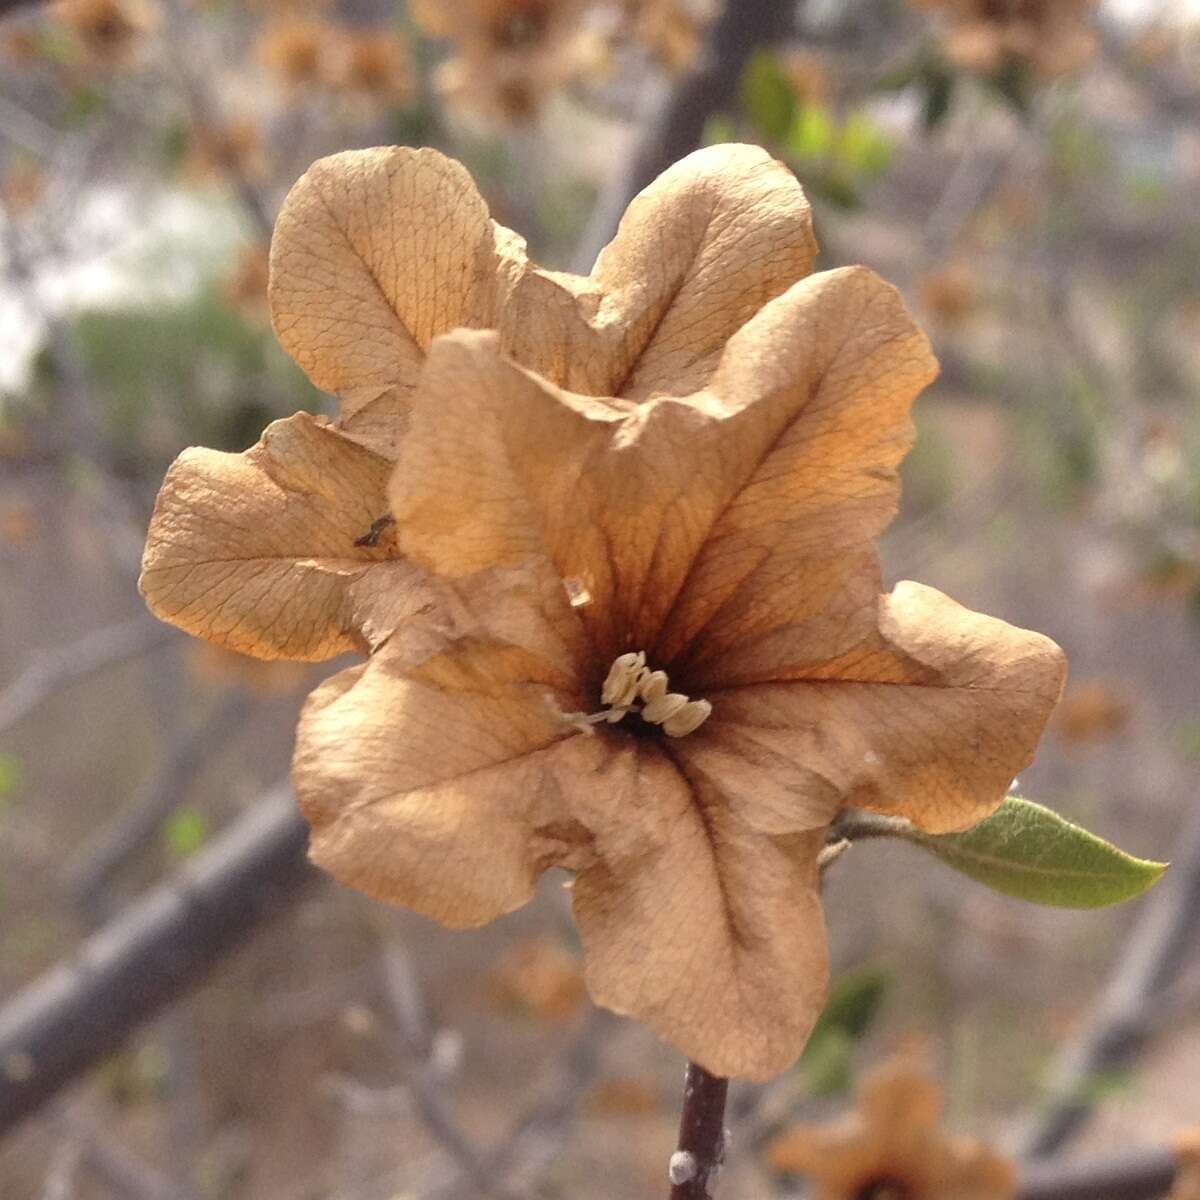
[{"x": 82, "y": 1009}]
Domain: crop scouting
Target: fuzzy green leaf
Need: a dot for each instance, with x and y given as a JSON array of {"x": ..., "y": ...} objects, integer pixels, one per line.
[{"x": 1027, "y": 851}]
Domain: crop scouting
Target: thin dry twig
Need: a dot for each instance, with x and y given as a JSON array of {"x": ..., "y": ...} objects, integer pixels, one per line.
[
  {"x": 135, "y": 828},
  {"x": 1132, "y": 1175},
  {"x": 702, "y": 1137},
  {"x": 1160, "y": 944},
  {"x": 52, "y": 670}
]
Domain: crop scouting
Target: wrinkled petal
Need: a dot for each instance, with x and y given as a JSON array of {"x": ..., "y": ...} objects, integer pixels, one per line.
[
  {"x": 430, "y": 783},
  {"x": 718, "y": 513},
  {"x": 691, "y": 921},
  {"x": 930, "y": 719},
  {"x": 697, "y": 254},
  {"x": 375, "y": 253},
  {"x": 259, "y": 551}
]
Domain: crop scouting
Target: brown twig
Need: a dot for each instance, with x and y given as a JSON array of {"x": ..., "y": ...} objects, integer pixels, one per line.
[
  {"x": 1133, "y": 1175},
  {"x": 694, "y": 1166}
]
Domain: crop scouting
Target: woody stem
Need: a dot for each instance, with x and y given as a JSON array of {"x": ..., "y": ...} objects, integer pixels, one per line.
[{"x": 695, "y": 1164}]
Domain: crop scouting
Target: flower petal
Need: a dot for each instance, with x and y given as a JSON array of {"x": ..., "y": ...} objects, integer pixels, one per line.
[
  {"x": 931, "y": 718},
  {"x": 375, "y": 253},
  {"x": 697, "y": 254},
  {"x": 698, "y": 925},
  {"x": 428, "y": 783},
  {"x": 787, "y": 575},
  {"x": 261, "y": 552},
  {"x": 742, "y": 513}
]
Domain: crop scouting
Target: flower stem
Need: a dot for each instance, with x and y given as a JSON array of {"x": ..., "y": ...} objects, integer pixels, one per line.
[{"x": 695, "y": 1164}]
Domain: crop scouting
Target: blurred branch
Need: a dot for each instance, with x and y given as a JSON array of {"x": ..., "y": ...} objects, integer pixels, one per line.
[
  {"x": 126, "y": 1175},
  {"x": 82, "y": 1009},
  {"x": 133, "y": 829},
  {"x": 1134, "y": 1175},
  {"x": 675, "y": 125},
  {"x": 1148, "y": 959},
  {"x": 55, "y": 669},
  {"x": 7, "y": 6}
]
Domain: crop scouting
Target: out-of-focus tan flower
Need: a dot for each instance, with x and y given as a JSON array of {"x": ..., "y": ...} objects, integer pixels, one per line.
[
  {"x": 1052, "y": 37},
  {"x": 1187, "y": 1154},
  {"x": 215, "y": 152},
  {"x": 293, "y": 49},
  {"x": 22, "y": 186},
  {"x": 246, "y": 286},
  {"x": 509, "y": 55},
  {"x": 949, "y": 293},
  {"x": 18, "y": 523},
  {"x": 623, "y": 1096},
  {"x": 373, "y": 65},
  {"x": 106, "y": 30},
  {"x": 808, "y": 73},
  {"x": 892, "y": 1148},
  {"x": 616, "y": 562},
  {"x": 1092, "y": 710},
  {"x": 214, "y": 666},
  {"x": 20, "y": 45},
  {"x": 540, "y": 978},
  {"x": 672, "y": 30}
]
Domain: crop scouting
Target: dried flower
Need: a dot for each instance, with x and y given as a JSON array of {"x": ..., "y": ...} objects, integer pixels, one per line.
[
  {"x": 1051, "y": 36},
  {"x": 1092, "y": 710},
  {"x": 105, "y": 29},
  {"x": 1187, "y": 1155},
  {"x": 892, "y": 1148},
  {"x": 509, "y": 55},
  {"x": 373, "y": 65},
  {"x": 293, "y": 50},
  {"x": 706, "y": 494},
  {"x": 672, "y": 30},
  {"x": 540, "y": 978}
]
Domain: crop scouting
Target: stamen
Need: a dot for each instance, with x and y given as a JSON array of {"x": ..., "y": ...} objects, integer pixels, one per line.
[
  {"x": 624, "y": 676},
  {"x": 629, "y": 681},
  {"x": 688, "y": 719}
]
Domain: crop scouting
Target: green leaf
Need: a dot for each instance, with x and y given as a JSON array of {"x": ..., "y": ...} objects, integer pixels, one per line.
[
  {"x": 1027, "y": 851},
  {"x": 186, "y": 832},
  {"x": 767, "y": 97},
  {"x": 11, "y": 773},
  {"x": 853, "y": 1004}
]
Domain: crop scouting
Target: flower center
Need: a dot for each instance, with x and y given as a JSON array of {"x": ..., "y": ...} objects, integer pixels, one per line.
[
  {"x": 883, "y": 1187},
  {"x": 631, "y": 687}
]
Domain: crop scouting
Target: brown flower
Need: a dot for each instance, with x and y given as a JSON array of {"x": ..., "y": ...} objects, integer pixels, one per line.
[
  {"x": 1092, "y": 710},
  {"x": 672, "y": 30},
  {"x": 892, "y": 1148},
  {"x": 105, "y": 29},
  {"x": 633, "y": 628},
  {"x": 1187, "y": 1155},
  {"x": 374, "y": 65},
  {"x": 293, "y": 50},
  {"x": 539, "y": 978},
  {"x": 509, "y": 55},
  {"x": 1051, "y": 36}
]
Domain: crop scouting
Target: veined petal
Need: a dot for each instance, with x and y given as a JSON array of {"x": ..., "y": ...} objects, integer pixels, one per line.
[
  {"x": 697, "y": 254},
  {"x": 263, "y": 552},
  {"x": 430, "y": 783},
  {"x": 931, "y": 719},
  {"x": 693, "y": 922},
  {"x": 375, "y": 253}
]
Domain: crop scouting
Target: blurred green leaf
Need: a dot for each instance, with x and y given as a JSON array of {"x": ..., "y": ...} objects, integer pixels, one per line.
[
  {"x": 862, "y": 146},
  {"x": 185, "y": 832},
  {"x": 718, "y": 130},
  {"x": 12, "y": 774},
  {"x": 853, "y": 1005},
  {"x": 939, "y": 85},
  {"x": 812, "y": 133},
  {"x": 82, "y": 105},
  {"x": 1027, "y": 851},
  {"x": 768, "y": 99}
]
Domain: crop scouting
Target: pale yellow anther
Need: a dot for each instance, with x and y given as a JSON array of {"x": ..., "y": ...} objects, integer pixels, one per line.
[
  {"x": 653, "y": 686},
  {"x": 621, "y": 687},
  {"x": 629, "y": 681},
  {"x": 688, "y": 719},
  {"x": 662, "y": 709}
]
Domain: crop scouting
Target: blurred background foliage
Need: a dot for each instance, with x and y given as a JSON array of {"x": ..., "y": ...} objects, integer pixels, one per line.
[{"x": 1028, "y": 173}]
